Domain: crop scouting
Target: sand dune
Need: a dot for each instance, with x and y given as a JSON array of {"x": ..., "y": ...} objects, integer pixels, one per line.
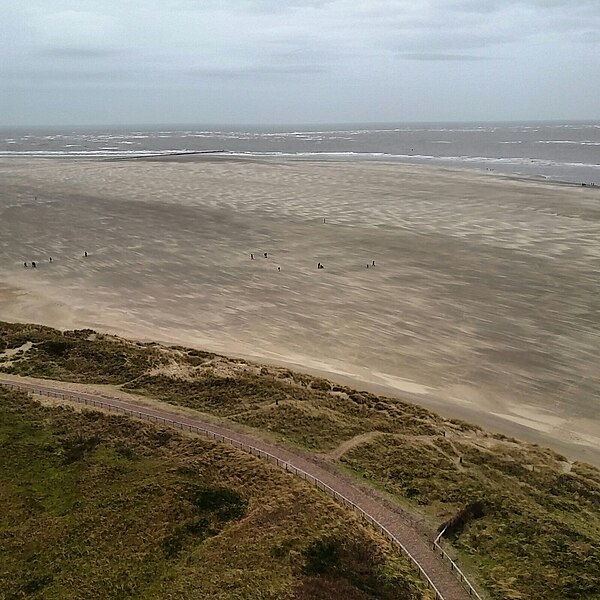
[{"x": 484, "y": 302}]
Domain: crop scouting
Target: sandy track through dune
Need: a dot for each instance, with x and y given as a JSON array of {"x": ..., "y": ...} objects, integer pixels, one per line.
[
  {"x": 348, "y": 445},
  {"x": 397, "y": 523}
]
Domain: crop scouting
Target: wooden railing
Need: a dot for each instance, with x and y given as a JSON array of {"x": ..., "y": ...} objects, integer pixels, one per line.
[{"x": 455, "y": 568}]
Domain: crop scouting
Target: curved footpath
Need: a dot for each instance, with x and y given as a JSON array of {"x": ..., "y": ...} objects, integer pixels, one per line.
[{"x": 445, "y": 585}]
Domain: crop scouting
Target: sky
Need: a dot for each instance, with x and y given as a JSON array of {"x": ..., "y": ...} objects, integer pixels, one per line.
[{"x": 114, "y": 62}]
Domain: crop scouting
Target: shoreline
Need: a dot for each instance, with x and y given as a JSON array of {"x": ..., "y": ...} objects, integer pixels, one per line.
[
  {"x": 216, "y": 156},
  {"x": 445, "y": 408},
  {"x": 481, "y": 306}
]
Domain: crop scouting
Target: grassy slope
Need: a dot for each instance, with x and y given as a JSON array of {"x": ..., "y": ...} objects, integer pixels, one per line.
[
  {"x": 539, "y": 536},
  {"x": 96, "y": 506}
]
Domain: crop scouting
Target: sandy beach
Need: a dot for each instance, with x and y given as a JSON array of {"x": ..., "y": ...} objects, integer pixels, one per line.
[{"x": 484, "y": 301}]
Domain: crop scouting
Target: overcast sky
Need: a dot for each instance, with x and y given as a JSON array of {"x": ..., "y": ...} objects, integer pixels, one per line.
[{"x": 297, "y": 61}]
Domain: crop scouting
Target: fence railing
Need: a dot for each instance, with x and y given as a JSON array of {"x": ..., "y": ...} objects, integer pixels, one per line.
[
  {"x": 87, "y": 400},
  {"x": 454, "y": 567}
]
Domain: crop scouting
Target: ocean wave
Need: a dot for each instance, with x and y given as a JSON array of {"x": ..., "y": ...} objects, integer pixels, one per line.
[
  {"x": 310, "y": 154},
  {"x": 572, "y": 142},
  {"x": 106, "y": 153},
  {"x": 117, "y": 152},
  {"x": 516, "y": 161}
]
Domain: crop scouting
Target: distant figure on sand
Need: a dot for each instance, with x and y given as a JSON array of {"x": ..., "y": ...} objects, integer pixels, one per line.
[
  {"x": 279, "y": 268},
  {"x": 266, "y": 255},
  {"x": 320, "y": 266},
  {"x": 85, "y": 254},
  {"x": 50, "y": 259},
  {"x": 251, "y": 256},
  {"x": 323, "y": 219},
  {"x": 33, "y": 264},
  {"x": 25, "y": 264},
  {"x": 373, "y": 263}
]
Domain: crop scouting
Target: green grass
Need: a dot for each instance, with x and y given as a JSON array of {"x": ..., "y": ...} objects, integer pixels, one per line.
[
  {"x": 302, "y": 413},
  {"x": 539, "y": 536},
  {"x": 80, "y": 356},
  {"x": 98, "y": 506}
]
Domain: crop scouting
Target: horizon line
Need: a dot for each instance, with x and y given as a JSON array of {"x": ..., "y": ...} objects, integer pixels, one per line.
[{"x": 294, "y": 124}]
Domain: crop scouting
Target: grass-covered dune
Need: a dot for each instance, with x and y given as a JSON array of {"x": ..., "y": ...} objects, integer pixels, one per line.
[
  {"x": 535, "y": 535},
  {"x": 98, "y": 506}
]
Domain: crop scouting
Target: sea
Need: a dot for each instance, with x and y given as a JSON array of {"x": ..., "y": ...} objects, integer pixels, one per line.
[{"x": 557, "y": 151}]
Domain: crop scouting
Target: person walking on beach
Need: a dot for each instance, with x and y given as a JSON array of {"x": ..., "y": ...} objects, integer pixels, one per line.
[
  {"x": 25, "y": 264},
  {"x": 50, "y": 259},
  {"x": 85, "y": 254},
  {"x": 251, "y": 256},
  {"x": 373, "y": 263},
  {"x": 266, "y": 255},
  {"x": 33, "y": 264}
]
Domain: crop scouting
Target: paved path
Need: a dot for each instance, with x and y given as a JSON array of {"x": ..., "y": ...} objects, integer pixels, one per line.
[{"x": 405, "y": 533}]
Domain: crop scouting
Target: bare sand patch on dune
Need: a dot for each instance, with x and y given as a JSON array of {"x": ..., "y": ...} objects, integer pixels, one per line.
[{"x": 484, "y": 297}]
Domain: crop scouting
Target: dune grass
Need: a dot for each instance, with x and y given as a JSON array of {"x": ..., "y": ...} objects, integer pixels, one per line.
[
  {"x": 539, "y": 535},
  {"x": 101, "y": 506},
  {"x": 79, "y": 356}
]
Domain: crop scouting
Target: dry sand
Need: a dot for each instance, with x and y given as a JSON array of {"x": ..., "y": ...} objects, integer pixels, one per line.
[{"x": 484, "y": 302}]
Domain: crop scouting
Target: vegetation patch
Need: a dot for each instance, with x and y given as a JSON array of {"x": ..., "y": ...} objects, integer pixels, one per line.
[
  {"x": 536, "y": 533},
  {"x": 101, "y": 506},
  {"x": 79, "y": 356},
  {"x": 339, "y": 566},
  {"x": 308, "y": 413},
  {"x": 221, "y": 395}
]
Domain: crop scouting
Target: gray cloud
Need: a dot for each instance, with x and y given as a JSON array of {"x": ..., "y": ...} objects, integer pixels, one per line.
[
  {"x": 253, "y": 71},
  {"x": 33, "y": 76},
  {"x": 307, "y": 58},
  {"x": 588, "y": 37},
  {"x": 490, "y": 6},
  {"x": 69, "y": 52},
  {"x": 442, "y": 57}
]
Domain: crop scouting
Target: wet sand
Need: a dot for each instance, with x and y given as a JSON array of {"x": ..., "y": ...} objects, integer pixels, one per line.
[{"x": 484, "y": 302}]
